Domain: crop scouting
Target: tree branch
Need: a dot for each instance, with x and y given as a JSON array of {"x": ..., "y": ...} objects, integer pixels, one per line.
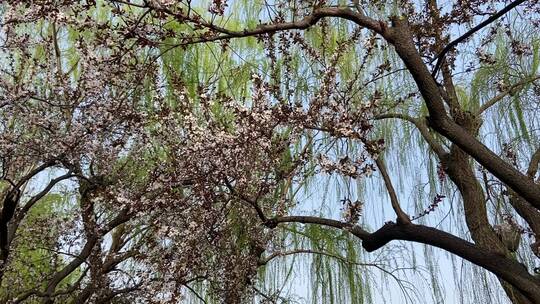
[
  {"x": 530, "y": 214},
  {"x": 422, "y": 127},
  {"x": 533, "y": 164},
  {"x": 43, "y": 192},
  {"x": 34, "y": 172},
  {"x": 195, "y": 293},
  {"x": 306, "y": 22},
  {"x": 503, "y": 94},
  {"x": 253, "y": 203},
  {"x": 84, "y": 254},
  {"x": 267, "y": 259},
  {"x": 354, "y": 229},
  {"x": 38, "y": 293},
  {"x": 507, "y": 269},
  {"x": 469, "y": 33},
  {"x": 402, "y": 217}
]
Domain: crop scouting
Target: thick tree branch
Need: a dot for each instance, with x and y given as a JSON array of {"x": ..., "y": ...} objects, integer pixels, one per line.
[
  {"x": 8, "y": 210},
  {"x": 507, "y": 269},
  {"x": 354, "y": 229},
  {"x": 533, "y": 164}
]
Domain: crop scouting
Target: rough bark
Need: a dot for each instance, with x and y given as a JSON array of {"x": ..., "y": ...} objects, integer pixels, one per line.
[{"x": 460, "y": 171}]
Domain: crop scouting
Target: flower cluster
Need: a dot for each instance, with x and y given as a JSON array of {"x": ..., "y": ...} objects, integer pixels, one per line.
[
  {"x": 436, "y": 202},
  {"x": 351, "y": 211}
]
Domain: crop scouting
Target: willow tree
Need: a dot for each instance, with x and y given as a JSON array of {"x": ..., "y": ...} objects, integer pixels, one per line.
[{"x": 183, "y": 134}]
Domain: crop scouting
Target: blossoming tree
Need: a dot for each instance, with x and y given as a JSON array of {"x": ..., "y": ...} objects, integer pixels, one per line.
[{"x": 153, "y": 151}]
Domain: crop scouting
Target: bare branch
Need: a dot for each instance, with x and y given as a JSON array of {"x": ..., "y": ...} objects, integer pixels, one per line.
[
  {"x": 422, "y": 128},
  {"x": 469, "y": 33},
  {"x": 43, "y": 192},
  {"x": 402, "y": 217},
  {"x": 195, "y": 293},
  {"x": 509, "y": 91},
  {"x": 83, "y": 255},
  {"x": 354, "y": 229},
  {"x": 308, "y": 21},
  {"x": 34, "y": 172},
  {"x": 266, "y": 260}
]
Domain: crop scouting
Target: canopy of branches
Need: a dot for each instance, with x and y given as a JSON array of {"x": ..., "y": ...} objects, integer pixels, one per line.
[{"x": 159, "y": 151}]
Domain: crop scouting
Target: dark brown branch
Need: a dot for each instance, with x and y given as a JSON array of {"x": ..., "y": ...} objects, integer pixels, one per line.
[
  {"x": 110, "y": 263},
  {"x": 8, "y": 210},
  {"x": 533, "y": 164},
  {"x": 402, "y": 217},
  {"x": 43, "y": 192},
  {"x": 121, "y": 218},
  {"x": 195, "y": 293},
  {"x": 306, "y": 22},
  {"x": 34, "y": 172},
  {"x": 469, "y": 33},
  {"x": 530, "y": 214},
  {"x": 354, "y": 229},
  {"x": 11, "y": 200},
  {"x": 72, "y": 266},
  {"x": 505, "y": 268}
]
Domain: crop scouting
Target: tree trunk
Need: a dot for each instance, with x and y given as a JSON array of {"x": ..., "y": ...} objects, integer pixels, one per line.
[{"x": 460, "y": 170}]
